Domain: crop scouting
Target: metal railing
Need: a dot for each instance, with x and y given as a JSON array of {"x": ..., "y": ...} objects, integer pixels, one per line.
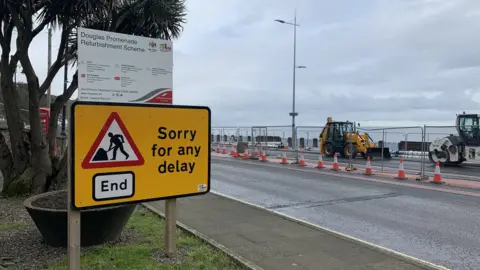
[
  {"x": 394, "y": 130},
  {"x": 411, "y": 143}
]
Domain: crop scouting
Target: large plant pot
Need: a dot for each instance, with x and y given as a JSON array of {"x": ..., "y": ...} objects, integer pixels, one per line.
[{"x": 49, "y": 212}]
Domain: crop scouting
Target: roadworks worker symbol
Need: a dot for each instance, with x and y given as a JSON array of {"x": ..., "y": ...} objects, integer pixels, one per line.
[{"x": 114, "y": 147}]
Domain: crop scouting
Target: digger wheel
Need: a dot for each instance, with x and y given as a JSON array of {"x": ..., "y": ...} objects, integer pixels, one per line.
[
  {"x": 328, "y": 150},
  {"x": 346, "y": 150}
]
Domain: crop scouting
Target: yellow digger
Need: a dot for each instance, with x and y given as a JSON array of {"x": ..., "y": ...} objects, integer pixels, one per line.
[{"x": 341, "y": 137}]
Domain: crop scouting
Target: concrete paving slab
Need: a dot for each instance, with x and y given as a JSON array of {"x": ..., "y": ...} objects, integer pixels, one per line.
[{"x": 273, "y": 242}]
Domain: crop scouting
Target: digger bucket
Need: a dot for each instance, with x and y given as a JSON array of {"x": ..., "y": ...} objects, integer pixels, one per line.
[{"x": 377, "y": 152}]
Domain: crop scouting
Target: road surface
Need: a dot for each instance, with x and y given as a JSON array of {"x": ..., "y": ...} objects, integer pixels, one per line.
[
  {"x": 439, "y": 227},
  {"x": 471, "y": 171}
]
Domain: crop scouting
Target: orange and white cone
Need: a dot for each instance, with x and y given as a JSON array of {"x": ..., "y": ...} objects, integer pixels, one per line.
[
  {"x": 284, "y": 157},
  {"x": 255, "y": 151},
  {"x": 218, "y": 148},
  {"x": 301, "y": 162},
  {"x": 320, "y": 161},
  {"x": 232, "y": 151},
  {"x": 263, "y": 156},
  {"x": 368, "y": 169},
  {"x": 437, "y": 178},
  {"x": 224, "y": 149},
  {"x": 335, "y": 165},
  {"x": 401, "y": 171},
  {"x": 245, "y": 155},
  {"x": 235, "y": 153}
]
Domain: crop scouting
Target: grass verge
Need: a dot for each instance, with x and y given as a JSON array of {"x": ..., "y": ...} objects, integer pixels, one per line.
[
  {"x": 12, "y": 226},
  {"x": 145, "y": 250}
]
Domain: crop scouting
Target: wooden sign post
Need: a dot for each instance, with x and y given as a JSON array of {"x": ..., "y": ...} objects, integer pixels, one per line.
[
  {"x": 74, "y": 222},
  {"x": 171, "y": 227}
]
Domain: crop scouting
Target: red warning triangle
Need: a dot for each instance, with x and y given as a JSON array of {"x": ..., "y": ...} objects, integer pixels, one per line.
[{"x": 113, "y": 147}]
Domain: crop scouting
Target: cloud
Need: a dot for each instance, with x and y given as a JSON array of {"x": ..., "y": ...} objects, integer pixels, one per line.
[
  {"x": 383, "y": 63},
  {"x": 390, "y": 62}
]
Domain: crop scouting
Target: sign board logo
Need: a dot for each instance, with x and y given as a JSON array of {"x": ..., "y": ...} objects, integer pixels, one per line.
[
  {"x": 152, "y": 46},
  {"x": 165, "y": 47},
  {"x": 114, "y": 147},
  {"x": 158, "y": 96}
]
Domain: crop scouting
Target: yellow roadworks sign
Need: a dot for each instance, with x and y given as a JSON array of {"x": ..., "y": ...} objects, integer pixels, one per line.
[{"x": 129, "y": 153}]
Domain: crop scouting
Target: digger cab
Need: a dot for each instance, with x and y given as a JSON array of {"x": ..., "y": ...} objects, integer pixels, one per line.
[{"x": 333, "y": 139}]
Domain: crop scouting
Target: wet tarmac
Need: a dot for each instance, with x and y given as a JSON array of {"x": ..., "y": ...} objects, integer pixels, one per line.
[{"x": 439, "y": 227}]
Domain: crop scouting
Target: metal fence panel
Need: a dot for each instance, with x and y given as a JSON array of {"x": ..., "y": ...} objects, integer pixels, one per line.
[
  {"x": 397, "y": 140},
  {"x": 409, "y": 143}
]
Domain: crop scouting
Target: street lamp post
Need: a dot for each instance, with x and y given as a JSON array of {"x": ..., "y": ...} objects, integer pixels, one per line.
[{"x": 293, "y": 113}]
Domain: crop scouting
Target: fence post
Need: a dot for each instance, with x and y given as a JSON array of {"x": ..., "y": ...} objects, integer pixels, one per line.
[
  {"x": 406, "y": 141},
  {"x": 252, "y": 138},
  {"x": 422, "y": 160},
  {"x": 294, "y": 142},
  {"x": 266, "y": 141},
  {"x": 383, "y": 144},
  {"x": 350, "y": 165}
]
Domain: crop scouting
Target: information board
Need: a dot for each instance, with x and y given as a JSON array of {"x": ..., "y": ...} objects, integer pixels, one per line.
[{"x": 115, "y": 67}]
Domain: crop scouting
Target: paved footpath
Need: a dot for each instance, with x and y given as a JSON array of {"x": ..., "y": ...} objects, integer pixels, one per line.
[{"x": 274, "y": 242}]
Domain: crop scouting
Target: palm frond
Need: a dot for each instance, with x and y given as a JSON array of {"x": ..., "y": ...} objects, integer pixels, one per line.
[
  {"x": 151, "y": 18},
  {"x": 71, "y": 12}
]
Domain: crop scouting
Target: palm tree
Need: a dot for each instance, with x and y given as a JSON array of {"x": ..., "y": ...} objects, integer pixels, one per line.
[{"x": 31, "y": 164}]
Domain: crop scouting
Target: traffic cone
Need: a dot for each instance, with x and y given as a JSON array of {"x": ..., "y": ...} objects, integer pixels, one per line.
[
  {"x": 437, "y": 178},
  {"x": 284, "y": 157},
  {"x": 255, "y": 151},
  {"x": 302, "y": 159},
  {"x": 231, "y": 150},
  {"x": 335, "y": 165},
  {"x": 368, "y": 169},
  {"x": 234, "y": 151},
  {"x": 224, "y": 149},
  {"x": 320, "y": 161},
  {"x": 245, "y": 155},
  {"x": 263, "y": 156},
  {"x": 401, "y": 171},
  {"x": 218, "y": 148}
]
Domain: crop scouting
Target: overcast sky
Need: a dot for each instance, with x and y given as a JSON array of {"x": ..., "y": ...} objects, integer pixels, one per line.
[{"x": 395, "y": 62}]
